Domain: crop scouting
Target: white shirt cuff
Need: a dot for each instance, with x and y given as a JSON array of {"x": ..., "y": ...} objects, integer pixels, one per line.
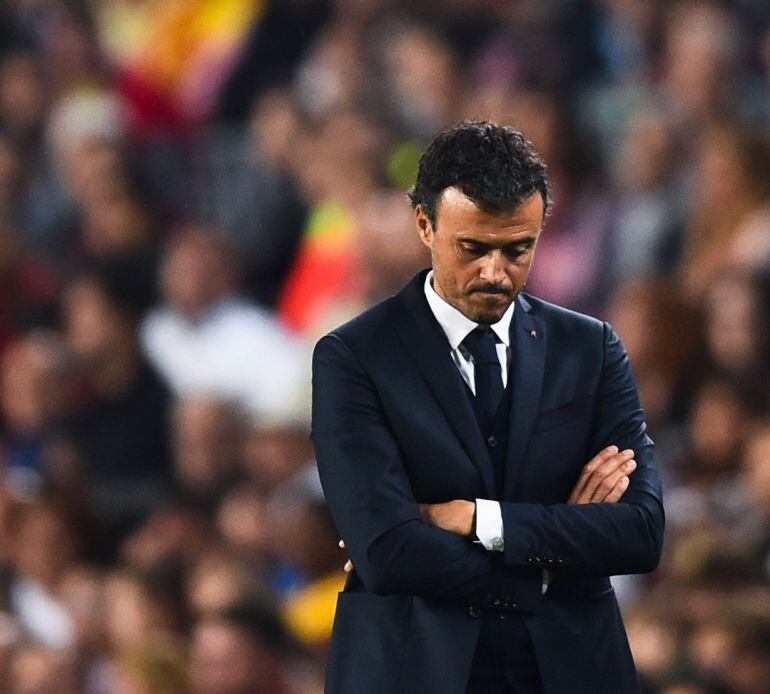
[{"x": 489, "y": 525}]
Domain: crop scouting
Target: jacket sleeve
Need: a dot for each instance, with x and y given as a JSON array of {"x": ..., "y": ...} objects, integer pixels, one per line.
[
  {"x": 372, "y": 504},
  {"x": 601, "y": 538}
]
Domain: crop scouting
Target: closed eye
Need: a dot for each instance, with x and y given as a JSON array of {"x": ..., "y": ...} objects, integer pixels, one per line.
[
  {"x": 518, "y": 250},
  {"x": 514, "y": 251},
  {"x": 473, "y": 248}
]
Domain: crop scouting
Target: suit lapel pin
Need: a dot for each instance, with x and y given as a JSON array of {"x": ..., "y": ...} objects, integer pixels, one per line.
[{"x": 533, "y": 334}]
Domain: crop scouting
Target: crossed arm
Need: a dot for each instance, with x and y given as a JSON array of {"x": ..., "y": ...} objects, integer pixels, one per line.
[
  {"x": 604, "y": 479},
  {"x": 398, "y": 547}
]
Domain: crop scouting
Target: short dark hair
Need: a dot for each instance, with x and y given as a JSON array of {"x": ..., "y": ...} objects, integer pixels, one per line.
[{"x": 492, "y": 164}]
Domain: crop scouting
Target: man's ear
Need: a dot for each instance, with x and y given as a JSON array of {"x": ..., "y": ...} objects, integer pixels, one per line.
[{"x": 424, "y": 226}]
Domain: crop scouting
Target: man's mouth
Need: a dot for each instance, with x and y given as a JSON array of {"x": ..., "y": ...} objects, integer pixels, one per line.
[{"x": 492, "y": 292}]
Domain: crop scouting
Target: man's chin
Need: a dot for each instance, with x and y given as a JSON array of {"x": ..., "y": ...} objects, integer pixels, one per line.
[{"x": 490, "y": 312}]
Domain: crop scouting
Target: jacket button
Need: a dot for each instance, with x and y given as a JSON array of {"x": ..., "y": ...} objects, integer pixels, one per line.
[
  {"x": 474, "y": 611},
  {"x": 491, "y": 441}
]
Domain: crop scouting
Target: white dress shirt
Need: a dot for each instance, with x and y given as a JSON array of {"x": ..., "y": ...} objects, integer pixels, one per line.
[
  {"x": 456, "y": 327},
  {"x": 237, "y": 351}
]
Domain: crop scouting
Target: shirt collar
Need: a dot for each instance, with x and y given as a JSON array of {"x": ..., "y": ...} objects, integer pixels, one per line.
[{"x": 457, "y": 326}]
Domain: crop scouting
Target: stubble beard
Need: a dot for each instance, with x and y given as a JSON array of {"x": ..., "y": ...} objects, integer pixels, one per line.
[{"x": 464, "y": 302}]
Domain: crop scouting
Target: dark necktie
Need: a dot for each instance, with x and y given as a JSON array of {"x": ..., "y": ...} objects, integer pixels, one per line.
[{"x": 481, "y": 343}]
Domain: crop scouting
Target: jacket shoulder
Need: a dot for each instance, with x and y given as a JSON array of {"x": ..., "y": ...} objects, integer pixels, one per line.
[
  {"x": 561, "y": 319},
  {"x": 553, "y": 312}
]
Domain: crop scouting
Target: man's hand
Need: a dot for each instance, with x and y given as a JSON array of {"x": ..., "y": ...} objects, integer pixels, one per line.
[
  {"x": 604, "y": 478},
  {"x": 455, "y": 516},
  {"x": 348, "y": 564}
]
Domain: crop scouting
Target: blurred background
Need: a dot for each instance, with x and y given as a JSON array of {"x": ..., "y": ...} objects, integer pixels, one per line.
[{"x": 193, "y": 191}]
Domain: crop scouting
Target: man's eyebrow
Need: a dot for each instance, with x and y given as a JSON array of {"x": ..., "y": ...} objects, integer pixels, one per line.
[{"x": 526, "y": 241}]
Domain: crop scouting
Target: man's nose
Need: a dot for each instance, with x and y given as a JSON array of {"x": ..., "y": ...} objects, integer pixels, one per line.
[{"x": 492, "y": 268}]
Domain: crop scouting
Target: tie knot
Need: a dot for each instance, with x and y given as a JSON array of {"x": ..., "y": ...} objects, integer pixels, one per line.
[{"x": 481, "y": 343}]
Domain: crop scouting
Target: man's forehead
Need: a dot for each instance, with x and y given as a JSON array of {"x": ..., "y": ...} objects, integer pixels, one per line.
[{"x": 456, "y": 206}]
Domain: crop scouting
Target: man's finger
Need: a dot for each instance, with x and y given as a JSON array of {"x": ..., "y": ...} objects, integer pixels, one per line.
[
  {"x": 606, "y": 468},
  {"x": 348, "y": 564},
  {"x": 604, "y": 479},
  {"x": 597, "y": 470},
  {"x": 589, "y": 468},
  {"x": 607, "y": 485},
  {"x": 618, "y": 491}
]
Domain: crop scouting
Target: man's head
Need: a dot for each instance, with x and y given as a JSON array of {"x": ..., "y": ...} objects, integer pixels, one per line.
[
  {"x": 480, "y": 199},
  {"x": 198, "y": 271},
  {"x": 238, "y": 651}
]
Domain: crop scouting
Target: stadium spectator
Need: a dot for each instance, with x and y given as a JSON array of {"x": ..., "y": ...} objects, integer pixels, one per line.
[
  {"x": 156, "y": 474},
  {"x": 206, "y": 339}
]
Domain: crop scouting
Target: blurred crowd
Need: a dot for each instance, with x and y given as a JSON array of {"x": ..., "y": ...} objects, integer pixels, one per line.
[{"x": 192, "y": 192}]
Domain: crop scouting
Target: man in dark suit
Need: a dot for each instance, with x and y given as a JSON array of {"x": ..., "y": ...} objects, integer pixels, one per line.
[{"x": 484, "y": 456}]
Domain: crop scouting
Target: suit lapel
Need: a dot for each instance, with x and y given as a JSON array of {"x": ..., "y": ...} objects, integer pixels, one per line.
[
  {"x": 528, "y": 343},
  {"x": 423, "y": 338}
]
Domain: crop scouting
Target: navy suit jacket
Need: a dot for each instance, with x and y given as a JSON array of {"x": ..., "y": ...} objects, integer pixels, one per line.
[{"x": 393, "y": 427}]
